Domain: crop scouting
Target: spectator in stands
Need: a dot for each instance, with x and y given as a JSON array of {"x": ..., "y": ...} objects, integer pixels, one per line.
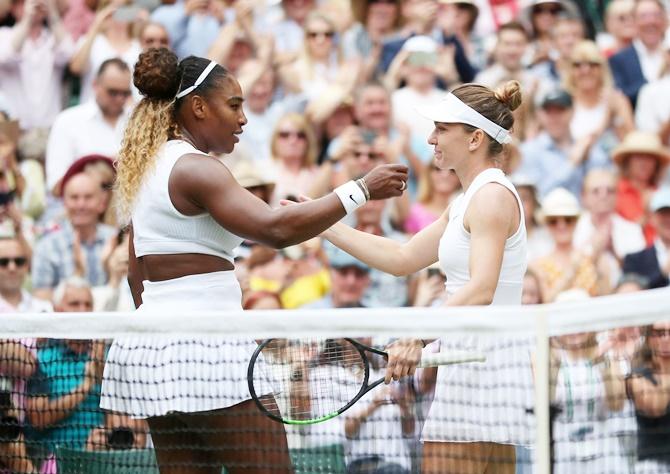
[
  {"x": 586, "y": 387},
  {"x": 554, "y": 159},
  {"x": 642, "y": 61},
  {"x": 647, "y": 389},
  {"x": 93, "y": 127},
  {"x": 652, "y": 113},
  {"x": 153, "y": 35},
  {"x": 600, "y": 229},
  {"x": 532, "y": 289},
  {"x": 567, "y": 267},
  {"x": 14, "y": 267},
  {"x": 460, "y": 17},
  {"x": 289, "y": 31},
  {"x": 566, "y": 33},
  {"x": 192, "y": 25},
  {"x": 539, "y": 241},
  {"x": 511, "y": 44},
  {"x": 77, "y": 246},
  {"x": 118, "y": 432},
  {"x": 415, "y": 65},
  {"x": 319, "y": 64},
  {"x": 437, "y": 188},
  {"x": 542, "y": 16},
  {"x": 599, "y": 109},
  {"x": 13, "y": 187},
  {"x": 294, "y": 149},
  {"x": 642, "y": 160},
  {"x": 64, "y": 392},
  {"x": 375, "y": 21},
  {"x": 261, "y": 300},
  {"x": 33, "y": 55},
  {"x": 620, "y": 26},
  {"x": 654, "y": 261},
  {"x": 350, "y": 280},
  {"x": 380, "y": 429},
  {"x": 110, "y": 36},
  {"x": 115, "y": 294},
  {"x": 79, "y": 17},
  {"x": 385, "y": 290}
]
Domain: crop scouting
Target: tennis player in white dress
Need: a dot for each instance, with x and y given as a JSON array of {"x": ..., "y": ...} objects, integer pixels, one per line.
[
  {"x": 188, "y": 215},
  {"x": 479, "y": 412}
]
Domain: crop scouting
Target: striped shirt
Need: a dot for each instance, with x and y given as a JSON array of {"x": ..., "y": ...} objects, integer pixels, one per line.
[{"x": 53, "y": 260}]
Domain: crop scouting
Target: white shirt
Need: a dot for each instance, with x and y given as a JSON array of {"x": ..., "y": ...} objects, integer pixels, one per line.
[
  {"x": 650, "y": 61},
  {"x": 101, "y": 51},
  {"x": 31, "y": 78},
  {"x": 80, "y": 131},
  {"x": 661, "y": 252},
  {"x": 627, "y": 236},
  {"x": 29, "y": 304},
  {"x": 405, "y": 101},
  {"x": 653, "y": 105}
]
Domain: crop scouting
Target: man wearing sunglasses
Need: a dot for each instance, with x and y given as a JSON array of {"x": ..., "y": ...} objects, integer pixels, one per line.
[{"x": 14, "y": 266}]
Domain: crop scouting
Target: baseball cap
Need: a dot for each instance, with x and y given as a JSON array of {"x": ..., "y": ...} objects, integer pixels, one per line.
[
  {"x": 555, "y": 97},
  {"x": 338, "y": 258},
  {"x": 420, "y": 44}
]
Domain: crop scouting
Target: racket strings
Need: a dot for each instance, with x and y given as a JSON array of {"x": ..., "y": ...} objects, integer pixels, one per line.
[{"x": 309, "y": 378}]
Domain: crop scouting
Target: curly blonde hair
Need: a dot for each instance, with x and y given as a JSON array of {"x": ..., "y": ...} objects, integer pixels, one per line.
[{"x": 151, "y": 124}]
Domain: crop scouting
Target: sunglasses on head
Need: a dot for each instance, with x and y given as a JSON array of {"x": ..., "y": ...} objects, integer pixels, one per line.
[
  {"x": 286, "y": 134},
  {"x": 316, "y": 34},
  {"x": 18, "y": 261},
  {"x": 551, "y": 221}
]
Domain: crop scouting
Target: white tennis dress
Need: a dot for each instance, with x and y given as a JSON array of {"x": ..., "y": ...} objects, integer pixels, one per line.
[
  {"x": 149, "y": 376},
  {"x": 489, "y": 401}
]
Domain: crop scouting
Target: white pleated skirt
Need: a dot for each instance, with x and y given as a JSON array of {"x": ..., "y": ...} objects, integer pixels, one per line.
[
  {"x": 484, "y": 402},
  {"x": 149, "y": 376}
]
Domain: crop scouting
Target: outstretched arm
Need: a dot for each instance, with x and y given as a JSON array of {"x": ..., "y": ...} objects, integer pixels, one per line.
[
  {"x": 387, "y": 255},
  {"x": 200, "y": 183}
]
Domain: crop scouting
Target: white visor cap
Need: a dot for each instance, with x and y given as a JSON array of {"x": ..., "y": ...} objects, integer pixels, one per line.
[{"x": 452, "y": 110}]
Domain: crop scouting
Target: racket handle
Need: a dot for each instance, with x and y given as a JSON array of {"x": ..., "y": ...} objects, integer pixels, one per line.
[{"x": 447, "y": 358}]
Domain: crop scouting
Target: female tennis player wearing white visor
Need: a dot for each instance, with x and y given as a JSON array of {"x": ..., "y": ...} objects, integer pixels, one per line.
[{"x": 479, "y": 410}]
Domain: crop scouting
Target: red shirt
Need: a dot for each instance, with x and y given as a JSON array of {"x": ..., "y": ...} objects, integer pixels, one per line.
[{"x": 630, "y": 205}]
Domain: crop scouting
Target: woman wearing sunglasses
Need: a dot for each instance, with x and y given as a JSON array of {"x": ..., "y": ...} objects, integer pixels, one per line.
[{"x": 566, "y": 267}]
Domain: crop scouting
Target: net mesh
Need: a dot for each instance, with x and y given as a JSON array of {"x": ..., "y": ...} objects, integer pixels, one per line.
[{"x": 569, "y": 387}]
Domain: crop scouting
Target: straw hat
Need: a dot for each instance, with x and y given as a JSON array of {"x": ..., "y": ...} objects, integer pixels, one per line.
[
  {"x": 641, "y": 142},
  {"x": 560, "y": 203},
  {"x": 248, "y": 175}
]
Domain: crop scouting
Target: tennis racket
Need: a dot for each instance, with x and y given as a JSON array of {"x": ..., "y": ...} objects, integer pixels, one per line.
[{"x": 308, "y": 381}]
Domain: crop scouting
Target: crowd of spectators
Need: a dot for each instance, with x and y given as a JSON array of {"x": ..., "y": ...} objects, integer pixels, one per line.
[{"x": 330, "y": 91}]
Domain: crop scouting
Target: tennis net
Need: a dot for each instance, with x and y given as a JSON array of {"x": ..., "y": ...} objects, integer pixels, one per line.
[{"x": 577, "y": 386}]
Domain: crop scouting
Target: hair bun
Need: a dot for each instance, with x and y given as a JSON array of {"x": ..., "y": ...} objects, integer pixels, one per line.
[
  {"x": 509, "y": 94},
  {"x": 157, "y": 74}
]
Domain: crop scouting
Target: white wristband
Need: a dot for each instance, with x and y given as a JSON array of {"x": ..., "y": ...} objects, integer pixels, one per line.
[{"x": 351, "y": 196}]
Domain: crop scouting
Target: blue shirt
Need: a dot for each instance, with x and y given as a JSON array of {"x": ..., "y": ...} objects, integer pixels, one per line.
[
  {"x": 54, "y": 257},
  {"x": 549, "y": 167},
  {"x": 59, "y": 372},
  {"x": 189, "y": 34}
]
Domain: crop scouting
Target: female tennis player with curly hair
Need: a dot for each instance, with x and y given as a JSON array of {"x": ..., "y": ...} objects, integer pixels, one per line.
[{"x": 188, "y": 215}]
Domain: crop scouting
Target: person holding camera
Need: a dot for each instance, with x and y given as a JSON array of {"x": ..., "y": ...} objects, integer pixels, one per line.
[
  {"x": 118, "y": 432},
  {"x": 64, "y": 392}
]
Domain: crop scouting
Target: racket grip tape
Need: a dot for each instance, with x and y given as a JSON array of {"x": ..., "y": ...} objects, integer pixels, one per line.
[{"x": 448, "y": 358}]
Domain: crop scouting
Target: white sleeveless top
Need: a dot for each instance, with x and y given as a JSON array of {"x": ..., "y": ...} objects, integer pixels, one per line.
[
  {"x": 454, "y": 249},
  {"x": 159, "y": 228}
]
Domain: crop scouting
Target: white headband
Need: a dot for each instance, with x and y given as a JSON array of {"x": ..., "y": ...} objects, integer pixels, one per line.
[
  {"x": 453, "y": 110},
  {"x": 201, "y": 78}
]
